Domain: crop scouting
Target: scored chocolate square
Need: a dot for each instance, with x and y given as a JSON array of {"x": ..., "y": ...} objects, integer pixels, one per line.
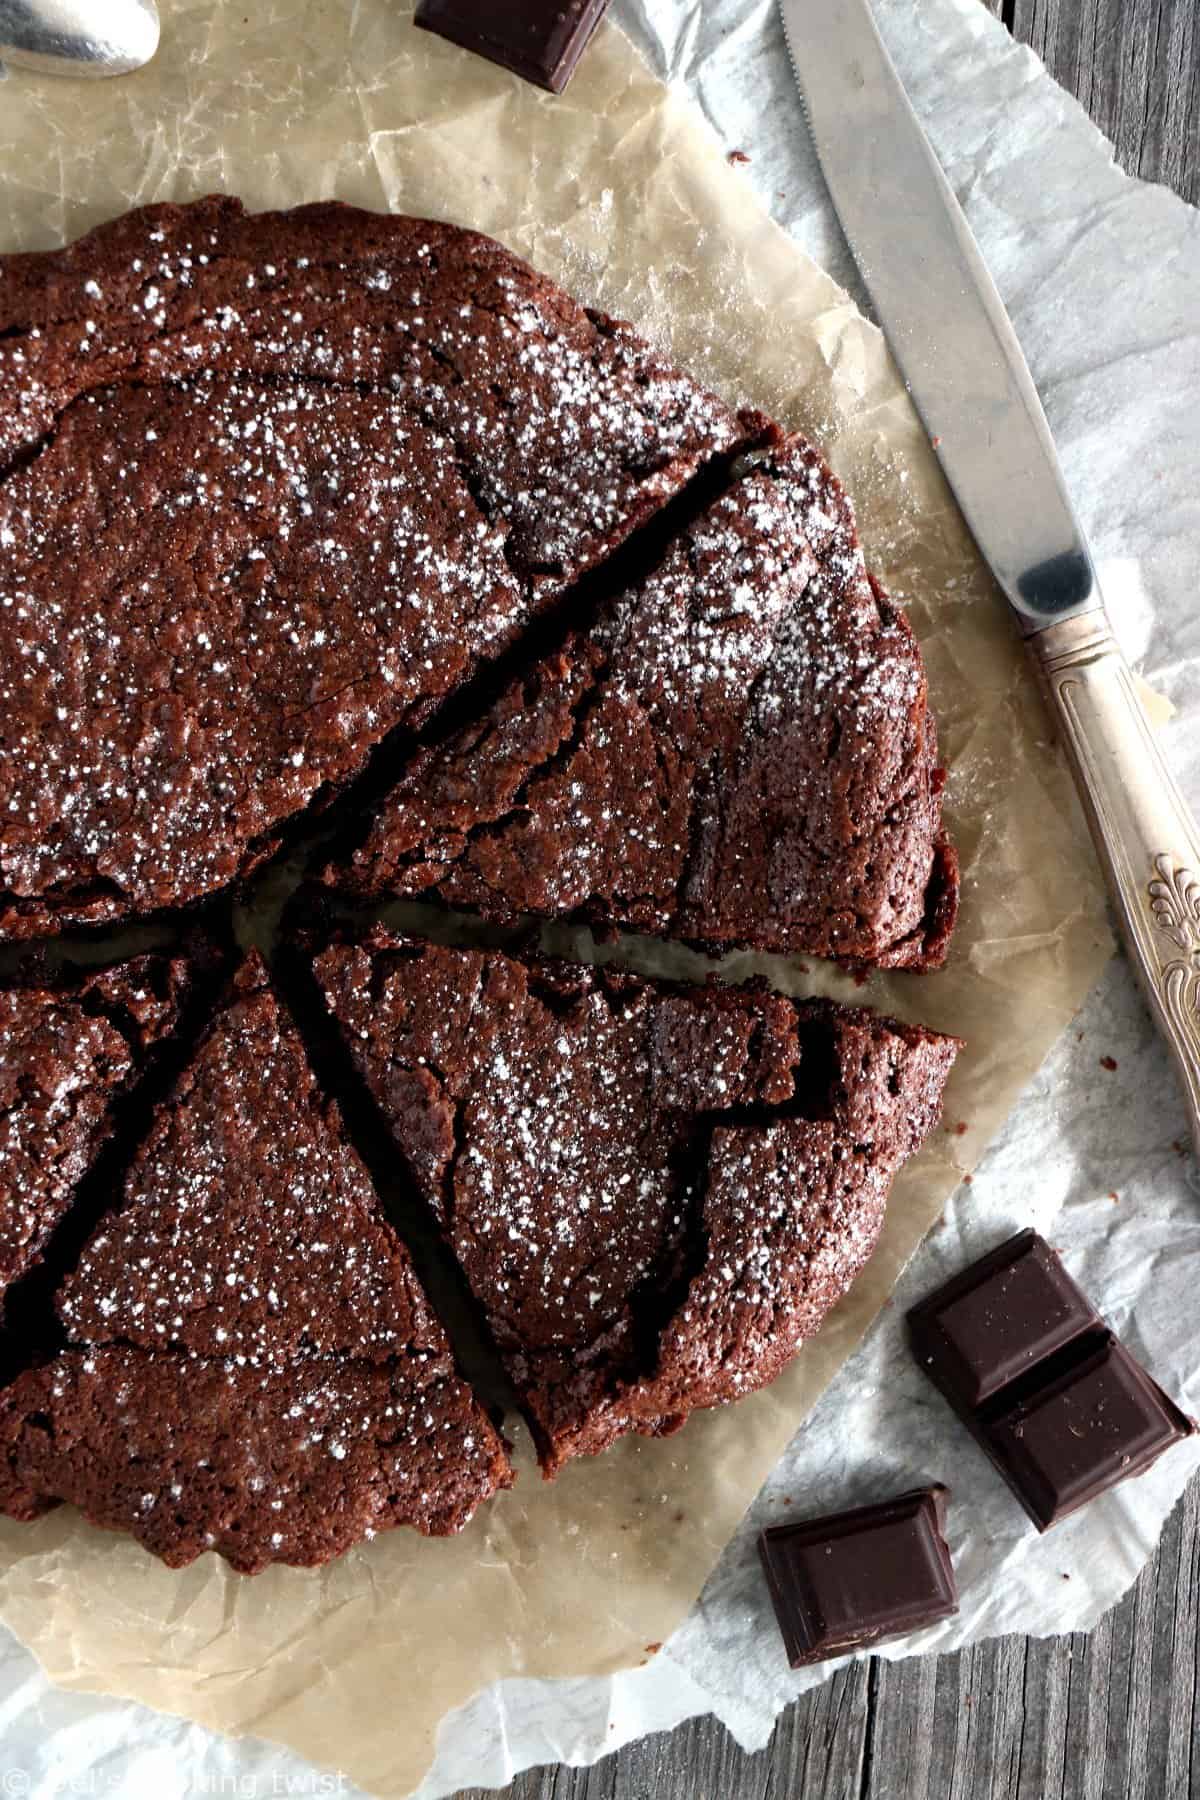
[
  {"x": 1040, "y": 1381},
  {"x": 1008, "y": 1311},
  {"x": 539, "y": 40},
  {"x": 1102, "y": 1420},
  {"x": 858, "y": 1578}
]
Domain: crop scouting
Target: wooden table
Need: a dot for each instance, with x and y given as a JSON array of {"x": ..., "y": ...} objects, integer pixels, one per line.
[{"x": 1115, "y": 1714}]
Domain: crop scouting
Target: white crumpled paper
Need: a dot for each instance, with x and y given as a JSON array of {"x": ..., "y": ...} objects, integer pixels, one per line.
[{"x": 1100, "y": 275}]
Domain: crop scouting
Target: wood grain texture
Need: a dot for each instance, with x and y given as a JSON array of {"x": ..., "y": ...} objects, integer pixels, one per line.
[
  {"x": 1114, "y": 1715},
  {"x": 1135, "y": 65}
]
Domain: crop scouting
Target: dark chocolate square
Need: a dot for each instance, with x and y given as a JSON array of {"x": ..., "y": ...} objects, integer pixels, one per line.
[
  {"x": 857, "y": 1578},
  {"x": 998, "y": 1319},
  {"x": 1040, "y": 1381},
  {"x": 1100, "y": 1421},
  {"x": 539, "y": 40}
]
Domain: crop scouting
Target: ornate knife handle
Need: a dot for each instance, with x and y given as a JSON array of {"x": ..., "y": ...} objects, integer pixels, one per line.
[{"x": 1146, "y": 837}]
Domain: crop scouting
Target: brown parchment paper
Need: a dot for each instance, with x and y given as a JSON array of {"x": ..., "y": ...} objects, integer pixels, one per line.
[{"x": 619, "y": 190}]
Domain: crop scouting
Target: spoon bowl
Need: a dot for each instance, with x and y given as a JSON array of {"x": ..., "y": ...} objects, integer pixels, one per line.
[{"x": 89, "y": 39}]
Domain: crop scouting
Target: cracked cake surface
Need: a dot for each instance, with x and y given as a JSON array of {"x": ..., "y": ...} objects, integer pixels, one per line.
[
  {"x": 252, "y": 1365},
  {"x": 275, "y": 489},
  {"x": 738, "y": 752},
  {"x": 655, "y": 1192},
  {"x": 69, "y": 1050},
  {"x": 272, "y": 486}
]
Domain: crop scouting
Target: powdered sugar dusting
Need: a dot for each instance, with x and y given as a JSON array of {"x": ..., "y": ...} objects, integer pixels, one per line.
[
  {"x": 254, "y": 1368},
  {"x": 247, "y": 1228},
  {"x": 276, "y": 1464},
  {"x": 276, "y": 504},
  {"x": 655, "y": 1194},
  {"x": 67, "y": 1054},
  {"x": 738, "y": 753}
]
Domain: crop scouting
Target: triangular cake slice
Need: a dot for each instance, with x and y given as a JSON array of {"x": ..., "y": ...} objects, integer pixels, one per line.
[
  {"x": 70, "y": 1050},
  {"x": 655, "y": 1192},
  {"x": 247, "y": 1226},
  {"x": 270, "y": 487},
  {"x": 253, "y": 1365},
  {"x": 739, "y": 752}
]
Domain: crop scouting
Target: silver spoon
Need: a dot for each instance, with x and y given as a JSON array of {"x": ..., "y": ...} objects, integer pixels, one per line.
[{"x": 88, "y": 38}]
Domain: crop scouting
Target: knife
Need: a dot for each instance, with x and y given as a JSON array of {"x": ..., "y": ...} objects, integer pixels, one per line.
[{"x": 963, "y": 367}]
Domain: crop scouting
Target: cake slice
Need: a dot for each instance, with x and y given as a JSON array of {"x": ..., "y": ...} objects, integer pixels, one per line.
[
  {"x": 261, "y": 1463},
  {"x": 252, "y": 1364},
  {"x": 70, "y": 1050},
  {"x": 738, "y": 752},
  {"x": 655, "y": 1192},
  {"x": 270, "y": 487}
]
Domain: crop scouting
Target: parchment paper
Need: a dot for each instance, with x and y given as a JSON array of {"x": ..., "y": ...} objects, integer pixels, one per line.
[{"x": 620, "y": 191}]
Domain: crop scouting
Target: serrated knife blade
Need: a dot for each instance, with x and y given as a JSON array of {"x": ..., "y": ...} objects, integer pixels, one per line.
[
  {"x": 963, "y": 366},
  {"x": 944, "y": 320}
]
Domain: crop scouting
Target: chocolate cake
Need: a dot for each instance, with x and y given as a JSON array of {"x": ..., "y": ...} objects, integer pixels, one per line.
[
  {"x": 739, "y": 752},
  {"x": 271, "y": 487},
  {"x": 655, "y": 1192},
  {"x": 69, "y": 1051},
  {"x": 252, "y": 1366},
  {"x": 275, "y": 489}
]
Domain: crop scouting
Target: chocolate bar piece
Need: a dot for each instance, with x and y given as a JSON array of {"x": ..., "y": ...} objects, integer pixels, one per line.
[
  {"x": 1102, "y": 1420},
  {"x": 1038, "y": 1378},
  {"x": 854, "y": 1579},
  {"x": 1009, "y": 1311},
  {"x": 540, "y": 40}
]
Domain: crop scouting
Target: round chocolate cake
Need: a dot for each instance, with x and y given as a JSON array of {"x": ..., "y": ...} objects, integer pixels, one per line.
[{"x": 346, "y": 559}]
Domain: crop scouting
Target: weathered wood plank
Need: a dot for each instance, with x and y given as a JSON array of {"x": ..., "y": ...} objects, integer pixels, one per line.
[
  {"x": 820, "y": 1744},
  {"x": 1046, "y": 1701},
  {"x": 1177, "y": 1701},
  {"x": 1135, "y": 65}
]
